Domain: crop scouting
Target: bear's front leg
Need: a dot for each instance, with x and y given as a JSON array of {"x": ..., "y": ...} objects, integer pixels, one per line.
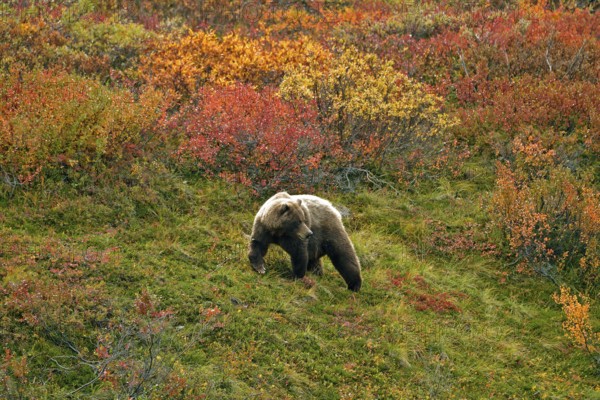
[
  {"x": 298, "y": 251},
  {"x": 256, "y": 255},
  {"x": 300, "y": 262}
]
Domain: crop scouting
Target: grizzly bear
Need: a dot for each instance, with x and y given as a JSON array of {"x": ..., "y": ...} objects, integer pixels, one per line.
[{"x": 307, "y": 228}]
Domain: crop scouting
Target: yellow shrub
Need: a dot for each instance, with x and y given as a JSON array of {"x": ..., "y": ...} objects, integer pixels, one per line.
[
  {"x": 577, "y": 325},
  {"x": 376, "y": 112}
]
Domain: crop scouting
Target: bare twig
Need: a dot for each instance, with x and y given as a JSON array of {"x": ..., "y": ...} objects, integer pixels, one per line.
[
  {"x": 507, "y": 62},
  {"x": 91, "y": 382},
  {"x": 550, "y": 44},
  {"x": 462, "y": 62},
  {"x": 546, "y": 270},
  {"x": 370, "y": 177},
  {"x": 576, "y": 58}
]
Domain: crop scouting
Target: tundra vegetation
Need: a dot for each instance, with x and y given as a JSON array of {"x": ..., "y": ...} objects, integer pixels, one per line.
[{"x": 139, "y": 138}]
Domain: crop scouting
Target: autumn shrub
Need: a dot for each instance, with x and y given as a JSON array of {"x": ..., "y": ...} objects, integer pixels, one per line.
[
  {"x": 29, "y": 36},
  {"x": 129, "y": 356},
  {"x": 98, "y": 47},
  {"x": 577, "y": 324},
  {"x": 408, "y": 37},
  {"x": 533, "y": 40},
  {"x": 293, "y": 19},
  {"x": 61, "y": 325},
  {"x": 254, "y": 138},
  {"x": 562, "y": 114},
  {"x": 51, "y": 305},
  {"x": 447, "y": 45},
  {"x": 174, "y": 14},
  {"x": 13, "y": 375},
  {"x": 56, "y": 309},
  {"x": 550, "y": 223},
  {"x": 87, "y": 343},
  {"x": 383, "y": 120},
  {"x": 79, "y": 36},
  {"x": 55, "y": 123},
  {"x": 200, "y": 58}
]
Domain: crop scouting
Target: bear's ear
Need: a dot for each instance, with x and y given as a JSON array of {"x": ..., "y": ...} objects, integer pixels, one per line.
[
  {"x": 284, "y": 208},
  {"x": 281, "y": 195},
  {"x": 299, "y": 201}
]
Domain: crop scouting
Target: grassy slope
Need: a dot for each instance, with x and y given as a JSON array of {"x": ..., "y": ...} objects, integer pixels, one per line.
[{"x": 276, "y": 338}]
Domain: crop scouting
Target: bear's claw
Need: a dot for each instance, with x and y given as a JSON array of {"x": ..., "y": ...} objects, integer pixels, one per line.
[{"x": 260, "y": 269}]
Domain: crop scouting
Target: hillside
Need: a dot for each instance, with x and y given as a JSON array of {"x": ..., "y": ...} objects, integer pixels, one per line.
[
  {"x": 170, "y": 279},
  {"x": 139, "y": 139}
]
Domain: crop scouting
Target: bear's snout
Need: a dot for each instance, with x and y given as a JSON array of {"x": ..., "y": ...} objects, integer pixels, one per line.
[{"x": 304, "y": 232}]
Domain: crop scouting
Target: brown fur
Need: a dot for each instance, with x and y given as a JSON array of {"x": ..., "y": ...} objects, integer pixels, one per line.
[{"x": 307, "y": 228}]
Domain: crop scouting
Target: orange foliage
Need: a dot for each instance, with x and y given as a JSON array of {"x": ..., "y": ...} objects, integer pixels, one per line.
[
  {"x": 550, "y": 222},
  {"x": 577, "y": 325},
  {"x": 526, "y": 228},
  {"x": 531, "y": 154},
  {"x": 29, "y": 41},
  {"x": 202, "y": 57},
  {"x": 590, "y": 233}
]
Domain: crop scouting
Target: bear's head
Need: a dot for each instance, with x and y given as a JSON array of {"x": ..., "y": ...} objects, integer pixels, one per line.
[{"x": 288, "y": 217}]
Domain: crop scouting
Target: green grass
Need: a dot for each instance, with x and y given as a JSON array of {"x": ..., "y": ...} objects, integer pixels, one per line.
[{"x": 277, "y": 338}]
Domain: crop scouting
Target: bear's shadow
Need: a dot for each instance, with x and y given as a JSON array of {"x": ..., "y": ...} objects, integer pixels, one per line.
[{"x": 278, "y": 261}]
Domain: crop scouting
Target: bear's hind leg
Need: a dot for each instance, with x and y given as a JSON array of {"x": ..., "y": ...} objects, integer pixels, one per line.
[
  {"x": 345, "y": 261},
  {"x": 315, "y": 266}
]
